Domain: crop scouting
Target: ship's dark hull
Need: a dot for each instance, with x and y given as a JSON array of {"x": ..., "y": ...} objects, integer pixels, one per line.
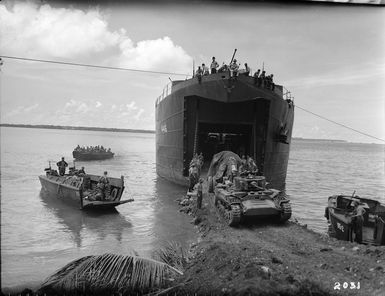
[
  {"x": 221, "y": 113},
  {"x": 92, "y": 155}
]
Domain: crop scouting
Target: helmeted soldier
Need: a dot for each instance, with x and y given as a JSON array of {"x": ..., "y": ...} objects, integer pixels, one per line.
[
  {"x": 82, "y": 172},
  {"x": 358, "y": 220},
  {"x": 103, "y": 184}
]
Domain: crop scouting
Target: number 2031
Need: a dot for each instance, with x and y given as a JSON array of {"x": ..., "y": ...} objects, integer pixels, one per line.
[{"x": 346, "y": 285}]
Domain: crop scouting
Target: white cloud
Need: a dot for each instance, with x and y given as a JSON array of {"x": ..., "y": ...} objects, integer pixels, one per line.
[
  {"x": 31, "y": 108},
  {"x": 131, "y": 106},
  {"x": 140, "y": 112},
  {"x": 160, "y": 54},
  {"x": 42, "y": 31},
  {"x": 87, "y": 113},
  {"x": 351, "y": 76},
  {"x": 20, "y": 112},
  {"x": 27, "y": 28}
]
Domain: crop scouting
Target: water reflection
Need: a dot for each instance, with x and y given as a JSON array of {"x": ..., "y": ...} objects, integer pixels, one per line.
[
  {"x": 169, "y": 223},
  {"x": 78, "y": 222}
]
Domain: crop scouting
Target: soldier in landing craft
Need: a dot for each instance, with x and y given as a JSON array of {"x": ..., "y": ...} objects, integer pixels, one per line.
[
  {"x": 81, "y": 172},
  {"x": 62, "y": 166},
  {"x": 103, "y": 185},
  {"x": 358, "y": 220}
]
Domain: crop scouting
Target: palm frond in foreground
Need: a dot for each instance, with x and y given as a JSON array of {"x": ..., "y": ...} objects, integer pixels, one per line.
[
  {"x": 112, "y": 273},
  {"x": 172, "y": 254}
]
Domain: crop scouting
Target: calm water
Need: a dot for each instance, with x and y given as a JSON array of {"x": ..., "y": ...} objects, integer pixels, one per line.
[
  {"x": 318, "y": 169},
  {"x": 40, "y": 234}
]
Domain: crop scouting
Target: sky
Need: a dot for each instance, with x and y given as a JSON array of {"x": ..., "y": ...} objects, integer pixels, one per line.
[{"x": 331, "y": 58}]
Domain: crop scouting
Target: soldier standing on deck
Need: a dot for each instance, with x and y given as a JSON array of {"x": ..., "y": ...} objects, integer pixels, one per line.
[
  {"x": 214, "y": 65},
  {"x": 234, "y": 68},
  {"x": 62, "y": 166},
  {"x": 199, "y": 74}
]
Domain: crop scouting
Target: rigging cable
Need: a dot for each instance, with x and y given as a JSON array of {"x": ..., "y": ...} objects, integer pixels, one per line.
[
  {"x": 168, "y": 73},
  {"x": 340, "y": 124},
  {"x": 92, "y": 66}
]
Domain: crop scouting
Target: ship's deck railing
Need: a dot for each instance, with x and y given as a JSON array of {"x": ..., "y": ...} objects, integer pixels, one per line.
[
  {"x": 287, "y": 94},
  {"x": 165, "y": 93}
]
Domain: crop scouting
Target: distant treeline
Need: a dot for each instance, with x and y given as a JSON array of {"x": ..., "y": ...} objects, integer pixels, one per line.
[
  {"x": 320, "y": 140},
  {"x": 86, "y": 128},
  {"x": 120, "y": 130}
]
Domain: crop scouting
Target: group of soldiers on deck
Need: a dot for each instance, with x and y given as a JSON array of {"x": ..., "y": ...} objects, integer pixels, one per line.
[
  {"x": 261, "y": 79},
  {"x": 103, "y": 186},
  {"x": 92, "y": 149}
]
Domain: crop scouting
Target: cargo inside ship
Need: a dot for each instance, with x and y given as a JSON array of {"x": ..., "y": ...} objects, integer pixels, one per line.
[{"x": 233, "y": 128}]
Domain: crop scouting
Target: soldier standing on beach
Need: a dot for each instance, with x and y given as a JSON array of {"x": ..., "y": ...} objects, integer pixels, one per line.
[{"x": 199, "y": 193}]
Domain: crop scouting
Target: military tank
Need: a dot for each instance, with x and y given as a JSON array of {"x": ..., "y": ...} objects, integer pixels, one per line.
[{"x": 247, "y": 196}]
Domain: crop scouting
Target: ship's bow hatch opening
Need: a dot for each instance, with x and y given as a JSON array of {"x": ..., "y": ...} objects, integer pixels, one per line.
[
  {"x": 212, "y": 126},
  {"x": 216, "y": 137}
]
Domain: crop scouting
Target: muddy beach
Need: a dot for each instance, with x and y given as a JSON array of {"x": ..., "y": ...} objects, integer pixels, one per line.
[{"x": 263, "y": 258}]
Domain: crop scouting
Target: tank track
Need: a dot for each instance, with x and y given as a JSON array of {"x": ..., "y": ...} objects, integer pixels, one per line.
[
  {"x": 232, "y": 216},
  {"x": 286, "y": 212}
]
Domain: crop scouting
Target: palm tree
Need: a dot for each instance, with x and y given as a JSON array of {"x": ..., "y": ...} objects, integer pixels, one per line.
[{"x": 108, "y": 274}]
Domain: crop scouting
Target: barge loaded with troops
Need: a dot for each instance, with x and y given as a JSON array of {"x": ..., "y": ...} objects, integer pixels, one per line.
[{"x": 229, "y": 110}]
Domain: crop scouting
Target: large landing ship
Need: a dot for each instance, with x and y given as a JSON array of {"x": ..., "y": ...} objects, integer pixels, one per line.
[{"x": 220, "y": 112}]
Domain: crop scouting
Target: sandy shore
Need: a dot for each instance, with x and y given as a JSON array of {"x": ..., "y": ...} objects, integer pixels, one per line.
[{"x": 264, "y": 258}]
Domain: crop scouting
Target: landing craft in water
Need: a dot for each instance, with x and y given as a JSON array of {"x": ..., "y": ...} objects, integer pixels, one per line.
[
  {"x": 341, "y": 213},
  {"x": 83, "y": 189},
  {"x": 218, "y": 112},
  {"x": 92, "y": 153}
]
